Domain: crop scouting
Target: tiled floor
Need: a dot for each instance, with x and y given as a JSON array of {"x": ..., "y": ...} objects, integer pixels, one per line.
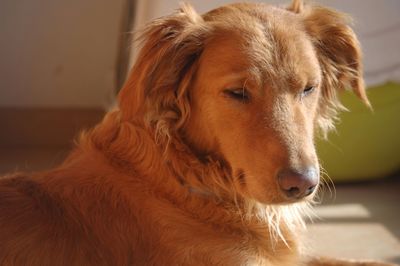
[{"x": 358, "y": 221}]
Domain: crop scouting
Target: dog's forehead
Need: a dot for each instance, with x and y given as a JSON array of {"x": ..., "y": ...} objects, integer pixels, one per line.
[{"x": 261, "y": 37}]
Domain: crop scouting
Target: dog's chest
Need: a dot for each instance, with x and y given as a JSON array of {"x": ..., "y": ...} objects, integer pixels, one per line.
[
  {"x": 191, "y": 245},
  {"x": 173, "y": 235}
]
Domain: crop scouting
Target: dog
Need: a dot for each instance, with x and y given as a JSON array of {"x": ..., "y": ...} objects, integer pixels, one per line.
[{"x": 209, "y": 158}]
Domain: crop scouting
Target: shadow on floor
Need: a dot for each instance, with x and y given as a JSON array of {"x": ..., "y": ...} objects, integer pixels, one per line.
[{"x": 361, "y": 220}]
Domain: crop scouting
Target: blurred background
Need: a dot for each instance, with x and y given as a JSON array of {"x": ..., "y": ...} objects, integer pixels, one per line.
[{"x": 63, "y": 62}]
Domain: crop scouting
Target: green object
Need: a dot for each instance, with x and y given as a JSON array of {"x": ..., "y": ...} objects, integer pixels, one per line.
[{"x": 366, "y": 144}]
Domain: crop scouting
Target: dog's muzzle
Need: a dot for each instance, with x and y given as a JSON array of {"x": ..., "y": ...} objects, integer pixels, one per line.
[{"x": 298, "y": 184}]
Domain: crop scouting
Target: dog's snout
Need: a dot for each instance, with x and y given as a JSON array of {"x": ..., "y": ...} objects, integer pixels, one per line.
[{"x": 298, "y": 184}]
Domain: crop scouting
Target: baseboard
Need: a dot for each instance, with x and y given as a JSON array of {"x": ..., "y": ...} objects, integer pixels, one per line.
[{"x": 44, "y": 127}]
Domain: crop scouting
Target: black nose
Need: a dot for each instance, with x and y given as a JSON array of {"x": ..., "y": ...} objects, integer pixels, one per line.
[{"x": 298, "y": 184}]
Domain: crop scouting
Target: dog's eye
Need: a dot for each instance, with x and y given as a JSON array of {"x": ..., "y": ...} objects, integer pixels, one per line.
[
  {"x": 307, "y": 91},
  {"x": 240, "y": 94}
]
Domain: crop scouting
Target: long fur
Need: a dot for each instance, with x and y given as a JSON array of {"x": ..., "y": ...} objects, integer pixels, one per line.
[{"x": 138, "y": 189}]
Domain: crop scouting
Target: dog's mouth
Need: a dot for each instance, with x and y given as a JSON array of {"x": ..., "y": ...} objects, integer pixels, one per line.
[{"x": 286, "y": 187}]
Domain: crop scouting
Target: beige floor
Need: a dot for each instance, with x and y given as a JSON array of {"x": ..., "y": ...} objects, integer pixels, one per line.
[
  {"x": 362, "y": 221},
  {"x": 358, "y": 221}
]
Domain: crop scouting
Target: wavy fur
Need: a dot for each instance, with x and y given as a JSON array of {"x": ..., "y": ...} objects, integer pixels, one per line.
[{"x": 152, "y": 185}]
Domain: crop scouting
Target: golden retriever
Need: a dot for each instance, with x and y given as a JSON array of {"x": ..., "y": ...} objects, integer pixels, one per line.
[{"x": 209, "y": 159}]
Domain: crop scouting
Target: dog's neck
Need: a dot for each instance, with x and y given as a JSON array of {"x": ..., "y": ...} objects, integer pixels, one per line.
[{"x": 188, "y": 182}]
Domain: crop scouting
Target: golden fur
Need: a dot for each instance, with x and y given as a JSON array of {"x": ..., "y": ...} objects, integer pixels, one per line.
[{"x": 183, "y": 172}]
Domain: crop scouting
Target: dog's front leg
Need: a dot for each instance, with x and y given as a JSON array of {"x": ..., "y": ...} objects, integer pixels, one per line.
[{"x": 325, "y": 261}]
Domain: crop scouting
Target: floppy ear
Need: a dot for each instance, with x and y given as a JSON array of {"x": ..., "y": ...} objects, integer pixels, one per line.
[
  {"x": 296, "y": 6},
  {"x": 157, "y": 85},
  {"x": 339, "y": 54}
]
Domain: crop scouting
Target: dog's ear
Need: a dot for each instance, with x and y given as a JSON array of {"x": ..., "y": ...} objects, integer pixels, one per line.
[
  {"x": 296, "y": 6},
  {"x": 156, "y": 87},
  {"x": 339, "y": 55}
]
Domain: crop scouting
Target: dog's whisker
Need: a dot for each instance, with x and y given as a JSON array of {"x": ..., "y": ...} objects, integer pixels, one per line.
[{"x": 329, "y": 184}]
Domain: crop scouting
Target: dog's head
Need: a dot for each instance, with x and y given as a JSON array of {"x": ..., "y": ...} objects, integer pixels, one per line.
[{"x": 249, "y": 83}]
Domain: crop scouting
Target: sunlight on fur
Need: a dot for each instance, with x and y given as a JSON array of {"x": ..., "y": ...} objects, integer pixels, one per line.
[{"x": 209, "y": 158}]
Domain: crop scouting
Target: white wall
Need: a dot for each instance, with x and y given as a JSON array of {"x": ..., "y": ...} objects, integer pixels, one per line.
[
  {"x": 377, "y": 23},
  {"x": 58, "y": 53},
  {"x": 63, "y": 53}
]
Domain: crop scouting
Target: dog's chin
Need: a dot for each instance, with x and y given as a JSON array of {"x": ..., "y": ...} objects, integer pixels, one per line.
[
  {"x": 288, "y": 201},
  {"x": 281, "y": 199}
]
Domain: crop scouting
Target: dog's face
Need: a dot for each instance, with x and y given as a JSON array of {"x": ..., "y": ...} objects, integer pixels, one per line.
[
  {"x": 254, "y": 101},
  {"x": 249, "y": 83}
]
